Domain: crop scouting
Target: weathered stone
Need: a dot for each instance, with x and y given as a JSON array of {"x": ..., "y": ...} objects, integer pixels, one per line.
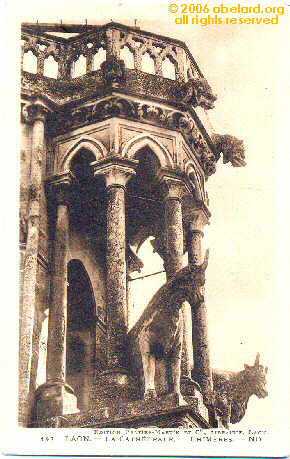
[
  {"x": 231, "y": 148},
  {"x": 139, "y": 156},
  {"x": 202, "y": 369},
  {"x": 116, "y": 174},
  {"x": 30, "y": 235},
  {"x": 232, "y": 390},
  {"x": 160, "y": 328},
  {"x": 198, "y": 93},
  {"x": 53, "y": 399},
  {"x": 113, "y": 70},
  {"x": 162, "y": 412}
]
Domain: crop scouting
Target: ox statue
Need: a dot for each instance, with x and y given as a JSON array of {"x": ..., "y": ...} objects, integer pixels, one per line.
[
  {"x": 232, "y": 390},
  {"x": 161, "y": 334}
]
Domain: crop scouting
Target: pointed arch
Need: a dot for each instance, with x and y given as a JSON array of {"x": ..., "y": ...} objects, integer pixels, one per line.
[
  {"x": 191, "y": 171},
  {"x": 140, "y": 141},
  {"x": 89, "y": 143}
]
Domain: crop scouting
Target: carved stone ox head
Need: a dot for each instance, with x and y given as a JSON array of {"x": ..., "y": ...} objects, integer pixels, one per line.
[{"x": 256, "y": 375}]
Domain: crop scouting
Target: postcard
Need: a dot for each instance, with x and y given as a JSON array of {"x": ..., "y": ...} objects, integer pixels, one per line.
[{"x": 148, "y": 180}]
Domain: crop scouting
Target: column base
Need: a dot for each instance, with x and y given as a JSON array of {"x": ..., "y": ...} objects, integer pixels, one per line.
[
  {"x": 54, "y": 398},
  {"x": 191, "y": 388}
]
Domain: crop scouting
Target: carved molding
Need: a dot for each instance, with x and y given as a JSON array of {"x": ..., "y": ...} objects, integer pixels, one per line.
[{"x": 125, "y": 108}]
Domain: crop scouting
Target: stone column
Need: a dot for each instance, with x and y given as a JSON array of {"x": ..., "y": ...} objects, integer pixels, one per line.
[
  {"x": 173, "y": 188},
  {"x": 35, "y": 113},
  {"x": 56, "y": 348},
  {"x": 55, "y": 397},
  {"x": 174, "y": 251},
  {"x": 89, "y": 62},
  {"x": 202, "y": 368},
  {"x": 116, "y": 171}
]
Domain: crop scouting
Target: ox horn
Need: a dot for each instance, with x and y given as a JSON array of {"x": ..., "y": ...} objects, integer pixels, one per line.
[
  {"x": 257, "y": 360},
  {"x": 205, "y": 261}
]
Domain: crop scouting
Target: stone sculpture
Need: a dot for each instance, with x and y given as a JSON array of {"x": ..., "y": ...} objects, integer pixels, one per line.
[
  {"x": 231, "y": 148},
  {"x": 232, "y": 390},
  {"x": 161, "y": 335},
  {"x": 113, "y": 70},
  {"x": 199, "y": 93}
]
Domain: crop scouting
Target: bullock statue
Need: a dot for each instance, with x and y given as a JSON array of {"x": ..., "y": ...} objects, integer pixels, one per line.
[
  {"x": 232, "y": 390},
  {"x": 162, "y": 332}
]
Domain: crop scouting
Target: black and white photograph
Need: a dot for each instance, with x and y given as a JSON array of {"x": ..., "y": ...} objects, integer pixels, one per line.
[{"x": 148, "y": 183}]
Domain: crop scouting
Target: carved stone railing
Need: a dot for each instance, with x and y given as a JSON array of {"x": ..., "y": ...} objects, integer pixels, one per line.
[{"x": 44, "y": 41}]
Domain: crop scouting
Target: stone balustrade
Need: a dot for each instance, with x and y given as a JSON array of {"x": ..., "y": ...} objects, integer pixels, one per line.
[{"x": 88, "y": 46}]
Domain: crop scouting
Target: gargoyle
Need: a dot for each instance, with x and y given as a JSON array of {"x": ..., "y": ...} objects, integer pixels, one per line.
[
  {"x": 161, "y": 335},
  {"x": 231, "y": 148},
  {"x": 232, "y": 390},
  {"x": 199, "y": 93}
]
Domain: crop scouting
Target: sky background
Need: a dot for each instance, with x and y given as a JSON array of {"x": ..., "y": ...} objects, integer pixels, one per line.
[{"x": 246, "y": 286}]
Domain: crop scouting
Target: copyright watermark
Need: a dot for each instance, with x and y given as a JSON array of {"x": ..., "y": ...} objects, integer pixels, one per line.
[
  {"x": 173, "y": 8},
  {"x": 229, "y": 14}
]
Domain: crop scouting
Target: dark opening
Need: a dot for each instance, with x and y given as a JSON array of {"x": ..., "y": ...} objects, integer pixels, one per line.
[
  {"x": 81, "y": 168},
  {"x": 144, "y": 206},
  {"x": 88, "y": 203},
  {"x": 81, "y": 334}
]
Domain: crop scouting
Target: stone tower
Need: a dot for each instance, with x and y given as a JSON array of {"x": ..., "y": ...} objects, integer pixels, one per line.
[{"x": 113, "y": 152}]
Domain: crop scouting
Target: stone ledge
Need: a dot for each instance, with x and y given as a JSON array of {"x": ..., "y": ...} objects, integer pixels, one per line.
[{"x": 138, "y": 414}]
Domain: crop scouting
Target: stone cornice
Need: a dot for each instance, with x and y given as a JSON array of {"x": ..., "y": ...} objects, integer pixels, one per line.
[{"x": 123, "y": 107}]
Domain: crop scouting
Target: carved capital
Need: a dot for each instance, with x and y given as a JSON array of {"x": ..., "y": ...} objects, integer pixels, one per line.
[
  {"x": 35, "y": 111},
  {"x": 116, "y": 170},
  {"x": 173, "y": 186},
  {"x": 58, "y": 187},
  {"x": 198, "y": 219}
]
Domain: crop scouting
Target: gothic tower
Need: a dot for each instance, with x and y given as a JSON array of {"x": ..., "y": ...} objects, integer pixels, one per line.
[{"x": 113, "y": 152}]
